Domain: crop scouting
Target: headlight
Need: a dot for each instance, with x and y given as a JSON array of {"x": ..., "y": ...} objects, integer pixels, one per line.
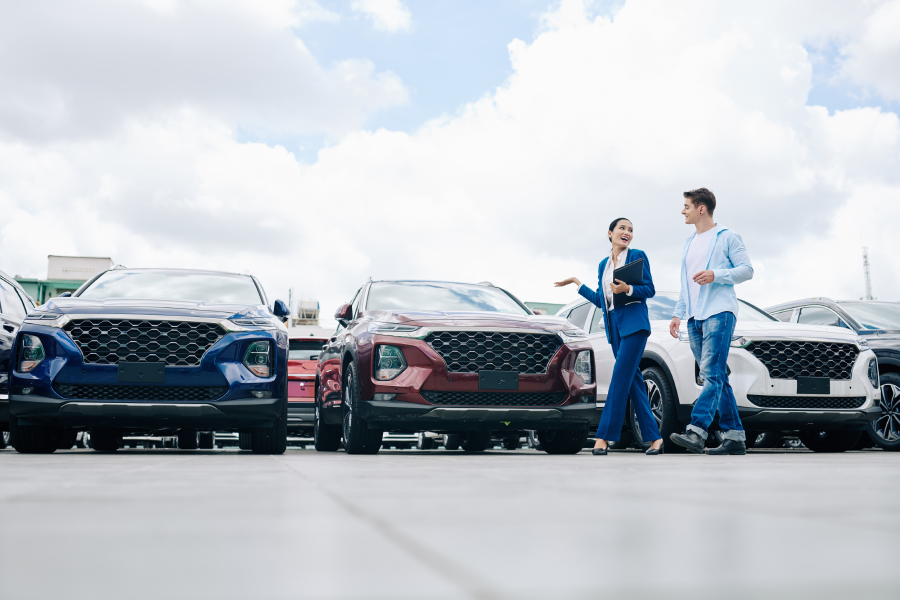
[
  {"x": 584, "y": 366},
  {"x": 47, "y": 319},
  {"x": 393, "y": 329},
  {"x": 31, "y": 353},
  {"x": 863, "y": 343},
  {"x": 248, "y": 324},
  {"x": 389, "y": 362},
  {"x": 739, "y": 341},
  {"x": 873, "y": 372},
  {"x": 258, "y": 359},
  {"x": 572, "y": 335}
]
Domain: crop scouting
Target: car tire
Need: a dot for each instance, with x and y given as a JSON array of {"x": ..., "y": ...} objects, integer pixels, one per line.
[
  {"x": 533, "y": 442},
  {"x": 768, "y": 439},
  {"x": 243, "y": 441},
  {"x": 326, "y": 438},
  {"x": 424, "y": 442},
  {"x": 475, "y": 441},
  {"x": 562, "y": 441},
  {"x": 885, "y": 431},
  {"x": 105, "y": 439},
  {"x": 623, "y": 443},
  {"x": 187, "y": 439},
  {"x": 271, "y": 440},
  {"x": 829, "y": 441},
  {"x": 512, "y": 443},
  {"x": 358, "y": 437},
  {"x": 452, "y": 441},
  {"x": 4, "y": 439},
  {"x": 206, "y": 440},
  {"x": 33, "y": 439},
  {"x": 66, "y": 439},
  {"x": 663, "y": 406}
]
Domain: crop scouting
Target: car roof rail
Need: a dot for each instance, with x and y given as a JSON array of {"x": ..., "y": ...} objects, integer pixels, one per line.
[{"x": 487, "y": 283}]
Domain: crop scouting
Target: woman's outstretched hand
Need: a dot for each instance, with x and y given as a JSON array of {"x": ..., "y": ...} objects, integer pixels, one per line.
[{"x": 566, "y": 282}]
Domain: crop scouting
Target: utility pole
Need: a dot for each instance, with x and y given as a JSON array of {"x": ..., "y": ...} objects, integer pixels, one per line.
[{"x": 867, "y": 273}]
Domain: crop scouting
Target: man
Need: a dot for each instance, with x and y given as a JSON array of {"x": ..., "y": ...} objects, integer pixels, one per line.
[{"x": 714, "y": 260}]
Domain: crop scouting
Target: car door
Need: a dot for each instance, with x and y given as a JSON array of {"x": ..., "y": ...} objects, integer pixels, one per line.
[
  {"x": 331, "y": 363},
  {"x": 604, "y": 360},
  {"x": 12, "y": 311}
]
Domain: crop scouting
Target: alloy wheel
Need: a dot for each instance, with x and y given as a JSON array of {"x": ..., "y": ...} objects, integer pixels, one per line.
[
  {"x": 348, "y": 405},
  {"x": 656, "y": 406},
  {"x": 887, "y": 426}
]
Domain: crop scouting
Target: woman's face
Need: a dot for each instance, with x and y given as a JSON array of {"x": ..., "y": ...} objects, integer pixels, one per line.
[{"x": 622, "y": 234}]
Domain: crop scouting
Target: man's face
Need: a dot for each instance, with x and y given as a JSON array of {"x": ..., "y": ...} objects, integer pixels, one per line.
[{"x": 691, "y": 212}]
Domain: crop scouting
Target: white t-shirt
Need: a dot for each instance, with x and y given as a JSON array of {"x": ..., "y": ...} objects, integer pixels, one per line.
[{"x": 694, "y": 262}]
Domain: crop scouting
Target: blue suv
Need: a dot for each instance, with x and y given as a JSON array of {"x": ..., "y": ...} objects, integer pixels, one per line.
[{"x": 165, "y": 351}]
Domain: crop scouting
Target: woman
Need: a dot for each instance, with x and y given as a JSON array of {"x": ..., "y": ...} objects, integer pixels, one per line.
[{"x": 627, "y": 330}]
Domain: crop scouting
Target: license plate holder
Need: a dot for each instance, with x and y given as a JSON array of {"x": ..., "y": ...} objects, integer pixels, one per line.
[
  {"x": 142, "y": 372},
  {"x": 813, "y": 385},
  {"x": 498, "y": 380}
]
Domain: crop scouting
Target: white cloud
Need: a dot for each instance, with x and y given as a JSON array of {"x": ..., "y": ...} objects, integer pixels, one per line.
[
  {"x": 601, "y": 118},
  {"x": 386, "y": 15},
  {"x": 873, "y": 60}
]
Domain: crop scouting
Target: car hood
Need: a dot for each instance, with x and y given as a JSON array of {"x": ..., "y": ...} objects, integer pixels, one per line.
[
  {"x": 162, "y": 308},
  {"x": 776, "y": 330},
  {"x": 475, "y": 320},
  {"x": 882, "y": 341}
]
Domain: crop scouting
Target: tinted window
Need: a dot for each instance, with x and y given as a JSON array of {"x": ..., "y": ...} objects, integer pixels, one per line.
[
  {"x": 597, "y": 321},
  {"x": 174, "y": 285},
  {"x": 10, "y": 303},
  {"x": 26, "y": 300},
  {"x": 579, "y": 315},
  {"x": 784, "y": 316},
  {"x": 819, "y": 315},
  {"x": 305, "y": 349},
  {"x": 444, "y": 297},
  {"x": 661, "y": 307},
  {"x": 874, "y": 315}
]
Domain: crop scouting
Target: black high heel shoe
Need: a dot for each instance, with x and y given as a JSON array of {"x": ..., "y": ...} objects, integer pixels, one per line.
[
  {"x": 599, "y": 451},
  {"x": 652, "y": 452}
]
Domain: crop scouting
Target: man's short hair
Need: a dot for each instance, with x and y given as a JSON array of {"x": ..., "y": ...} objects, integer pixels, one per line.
[{"x": 702, "y": 196}]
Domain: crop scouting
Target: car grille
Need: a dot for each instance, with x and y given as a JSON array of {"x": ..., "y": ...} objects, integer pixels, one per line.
[
  {"x": 473, "y": 351},
  {"x": 109, "y": 341},
  {"x": 806, "y": 401},
  {"x": 789, "y": 360},
  {"x": 495, "y": 398},
  {"x": 139, "y": 392}
]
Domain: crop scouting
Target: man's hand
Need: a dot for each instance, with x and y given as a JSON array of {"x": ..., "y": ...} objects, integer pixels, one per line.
[
  {"x": 566, "y": 282},
  {"x": 704, "y": 277},
  {"x": 618, "y": 287},
  {"x": 674, "y": 326}
]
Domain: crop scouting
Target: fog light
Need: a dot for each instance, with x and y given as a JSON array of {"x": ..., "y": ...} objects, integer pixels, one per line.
[
  {"x": 389, "y": 362},
  {"x": 27, "y": 390},
  {"x": 384, "y": 397},
  {"x": 873, "y": 373},
  {"x": 258, "y": 359},
  {"x": 31, "y": 353},
  {"x": 262, "y": 394},
  {"x": 584, "y": 367}
]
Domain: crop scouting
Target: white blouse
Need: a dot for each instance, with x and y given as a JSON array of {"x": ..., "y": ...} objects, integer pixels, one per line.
[{"x": 608, "y": 276}]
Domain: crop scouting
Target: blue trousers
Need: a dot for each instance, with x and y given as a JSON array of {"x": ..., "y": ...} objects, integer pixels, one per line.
[
  {"x": 710, "y": 342},
  {"x": 627, "y": 381}
]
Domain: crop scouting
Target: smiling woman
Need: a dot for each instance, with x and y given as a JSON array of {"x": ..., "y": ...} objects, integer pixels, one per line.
[{"x": 214, "y": 288}]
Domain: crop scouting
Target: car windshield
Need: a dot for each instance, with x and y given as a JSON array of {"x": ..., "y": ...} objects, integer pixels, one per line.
[
  {"x": 874, "y": 315},
  {"x": 662, "y": 306},
  {"x": 444, "y": 297},
  {"x": 218, "y": 288},
  {"x": 304, "y": 349}
]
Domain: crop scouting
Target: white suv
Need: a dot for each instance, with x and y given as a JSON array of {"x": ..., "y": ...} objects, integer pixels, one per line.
[{"x": 820, "y": 382}]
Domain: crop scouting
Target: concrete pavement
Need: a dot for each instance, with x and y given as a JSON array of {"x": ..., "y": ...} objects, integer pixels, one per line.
[{"x": 436, "y": 524}]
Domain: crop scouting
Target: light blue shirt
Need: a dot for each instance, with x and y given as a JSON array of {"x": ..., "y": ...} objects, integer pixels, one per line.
[{"x": 727, "y": 258}]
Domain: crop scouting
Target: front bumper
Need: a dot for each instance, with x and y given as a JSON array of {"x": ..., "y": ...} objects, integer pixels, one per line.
[
  {"x": 445, "y": 419},
  {"x": 761, "y": 419}
]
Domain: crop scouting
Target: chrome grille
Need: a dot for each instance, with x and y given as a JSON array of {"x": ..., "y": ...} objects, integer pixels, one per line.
[
  {"x": 109, "y": 341},
  {"x": 473, "y": 351},
  {"x": 139, "y": 392},
  {"x": 790, "y": 360},
  {"x": 807, "y": 401},
  {"x": 495, "y": 398}
]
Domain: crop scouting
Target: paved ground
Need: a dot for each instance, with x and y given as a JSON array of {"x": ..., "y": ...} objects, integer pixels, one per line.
[{"x": 407, "y": 524}]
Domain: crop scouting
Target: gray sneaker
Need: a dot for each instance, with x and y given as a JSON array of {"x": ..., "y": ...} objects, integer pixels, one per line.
[{"x": 690, "y": 440}]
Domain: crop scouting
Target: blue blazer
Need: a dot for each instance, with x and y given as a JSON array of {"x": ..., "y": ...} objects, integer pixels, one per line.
[{"x": 632, "y": 317}]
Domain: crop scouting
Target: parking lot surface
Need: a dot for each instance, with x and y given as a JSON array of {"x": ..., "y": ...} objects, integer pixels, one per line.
[{"x": 438, "y": 524}]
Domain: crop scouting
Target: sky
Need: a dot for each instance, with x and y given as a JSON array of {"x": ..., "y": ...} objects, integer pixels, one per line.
[{"x": 316, "y": 144}]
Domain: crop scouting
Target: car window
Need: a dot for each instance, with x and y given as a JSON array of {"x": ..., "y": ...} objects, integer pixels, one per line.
[
  {"x": 10, "y": 303},
  {"x": 784, "y": 316},
  {"x": 26, "y": 300},
  {"x": 874, "y": 315},
  {"x": 304, "y": 349},
  {"x": 597, "y": 321},
  {"x": 355, "y": 303},
  {"x": 819, "y": 315},
  {"x": 748, "y": 312},
  {"x": 214, "y": 288},
  {"x": 579, "y": 315},
  {"x": 441, "y": 296}
]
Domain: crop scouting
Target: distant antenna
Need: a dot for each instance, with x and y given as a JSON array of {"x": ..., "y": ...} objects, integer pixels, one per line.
[{"x": 868, "y": 274}]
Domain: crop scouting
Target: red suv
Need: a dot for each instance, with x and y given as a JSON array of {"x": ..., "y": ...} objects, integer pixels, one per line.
[
  {"x": 303, "y": 352},
  {"x": 452, "y": 358}
]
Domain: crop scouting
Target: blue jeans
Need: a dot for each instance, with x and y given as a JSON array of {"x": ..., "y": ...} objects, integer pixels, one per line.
[
  {"x": 710, "y": 342},
  {"x": 627, "y": 381}
]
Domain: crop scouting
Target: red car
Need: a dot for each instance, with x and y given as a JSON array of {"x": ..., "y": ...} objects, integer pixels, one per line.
[
  {"x": 303, "y": 352},
  {"x": 454, "y": 358}
]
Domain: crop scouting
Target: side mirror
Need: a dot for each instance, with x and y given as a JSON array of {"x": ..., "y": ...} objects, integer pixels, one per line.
[
  {"x": 65, "y": 295},
  {"x": 537, "y": 312},
  {"x": 281, "y": 310},
  {"x": 343, "y": 314}
]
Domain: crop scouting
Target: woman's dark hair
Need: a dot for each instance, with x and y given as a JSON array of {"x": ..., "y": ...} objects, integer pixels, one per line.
[{"x": 612, "y": 225}]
